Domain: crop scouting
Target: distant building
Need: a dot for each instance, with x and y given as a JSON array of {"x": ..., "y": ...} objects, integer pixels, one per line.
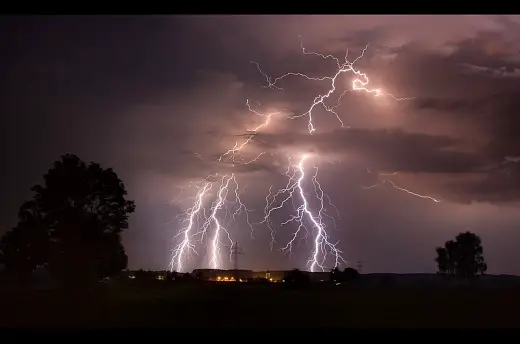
[
  {"x": 222, "y": 275},
  {"x": 247, "y": 275},
  {"x": 270, "y": 275}
]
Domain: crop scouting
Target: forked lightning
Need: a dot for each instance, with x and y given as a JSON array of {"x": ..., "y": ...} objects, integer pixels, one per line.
[{"x": 309, "y": 222}]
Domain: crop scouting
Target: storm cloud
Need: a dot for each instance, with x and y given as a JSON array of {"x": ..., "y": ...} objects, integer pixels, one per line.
[{"x": 159, "y": 99}]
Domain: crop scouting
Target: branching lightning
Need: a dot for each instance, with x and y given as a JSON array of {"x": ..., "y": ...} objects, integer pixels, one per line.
[
  {"x": 386, "y": 181},
  {"x": 229, "y": 188},
  {"x": 359, "y": 83},
  {"x": 231, "y": 154},
  {"x": 217, "y": 205},
  {"x": 304, "y": 216},
  {"x": 392, "y": 184},
  {"x": 193, "y": 214},
  {"x": 309, "y": 222}
]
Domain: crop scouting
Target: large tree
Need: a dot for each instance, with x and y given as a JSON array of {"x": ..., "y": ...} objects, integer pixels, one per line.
[
  {"x": 462, "y": 257},
  {"x": 73, "y": 224}
]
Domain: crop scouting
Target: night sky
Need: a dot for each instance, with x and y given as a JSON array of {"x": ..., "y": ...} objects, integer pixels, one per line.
[{"x": 147, "y": 94}]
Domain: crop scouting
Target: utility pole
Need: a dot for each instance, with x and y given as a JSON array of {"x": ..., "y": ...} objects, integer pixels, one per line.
[{"x": 235, "y": 252}]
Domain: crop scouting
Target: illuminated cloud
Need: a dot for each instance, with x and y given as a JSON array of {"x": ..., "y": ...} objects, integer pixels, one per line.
[{"x": 161, "y": 109}]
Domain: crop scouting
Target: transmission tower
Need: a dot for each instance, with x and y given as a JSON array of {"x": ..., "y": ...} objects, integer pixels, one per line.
[{"x": 235, "y": 252}]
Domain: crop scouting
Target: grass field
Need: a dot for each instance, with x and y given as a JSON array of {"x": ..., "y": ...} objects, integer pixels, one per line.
[{"x": 241, "y": 305}]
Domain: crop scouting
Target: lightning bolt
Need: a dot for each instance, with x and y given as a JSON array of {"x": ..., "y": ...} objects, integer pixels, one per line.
[
  {"x": 359, "y": 83},
  {"x": 304, "y": 217},
  {"x": 294, "y": 191},
  {"x": 395, "y": 186},
  {"x": 231, "y": 153},
  {"x": 309, "y": 222},
  {"x": 194, "y": 215},
  {"x": 217, "y": 205}
]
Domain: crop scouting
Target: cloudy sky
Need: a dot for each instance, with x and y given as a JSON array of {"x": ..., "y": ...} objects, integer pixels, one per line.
[{"x": 160, "y": 98}]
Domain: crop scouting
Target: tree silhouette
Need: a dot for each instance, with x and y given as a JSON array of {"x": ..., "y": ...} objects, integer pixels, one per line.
[
  {"x": 463, "y": 257},
  {"x": 73, "y": 224}
]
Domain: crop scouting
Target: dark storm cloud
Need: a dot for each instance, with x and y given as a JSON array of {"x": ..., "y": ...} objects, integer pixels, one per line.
[
  {"x": 497, "y": 72},
  {"x": 160, "y": 98},
  {"x": 489, "y": 116},
  {"x": 250, "y": 167},
  {"x": 497, "y": 113},
  {"x": 447, "y": 105},
  {"x": 481, "y": 106},
  {"x": 390, "y": 150},
  {"x": 500, "y": 186},
  {"x": 485, "y": 101}
]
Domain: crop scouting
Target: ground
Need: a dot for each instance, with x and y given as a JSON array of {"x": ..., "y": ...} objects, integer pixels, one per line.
[{"x": 157, "y": 303}]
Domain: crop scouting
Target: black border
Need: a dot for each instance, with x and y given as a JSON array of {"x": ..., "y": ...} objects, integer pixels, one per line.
[
  {"x": 256, "y": 334},
  {"x": 260, "y": 7}
]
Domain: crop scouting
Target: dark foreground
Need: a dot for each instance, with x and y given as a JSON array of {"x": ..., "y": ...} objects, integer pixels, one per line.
[{"x": 240, "y": 305}]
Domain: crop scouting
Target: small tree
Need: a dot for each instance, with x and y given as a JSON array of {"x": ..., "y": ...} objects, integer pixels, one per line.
[
  {"x": 463, "y": 257},
  {"x": 73, "y": 224}
]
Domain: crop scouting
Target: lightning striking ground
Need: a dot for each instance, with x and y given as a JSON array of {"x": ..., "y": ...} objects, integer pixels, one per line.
[
  {"x": 360, "y": 83},
  {"x": 309, "y": 222},
  {"x": 186, "y": 246},
  {"x": 220, "y": 209},
  {"x": 304, "y": 217}
]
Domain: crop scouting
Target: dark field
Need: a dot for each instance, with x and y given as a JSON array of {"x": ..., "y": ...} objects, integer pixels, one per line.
[{"x": 240, "y": 305}]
